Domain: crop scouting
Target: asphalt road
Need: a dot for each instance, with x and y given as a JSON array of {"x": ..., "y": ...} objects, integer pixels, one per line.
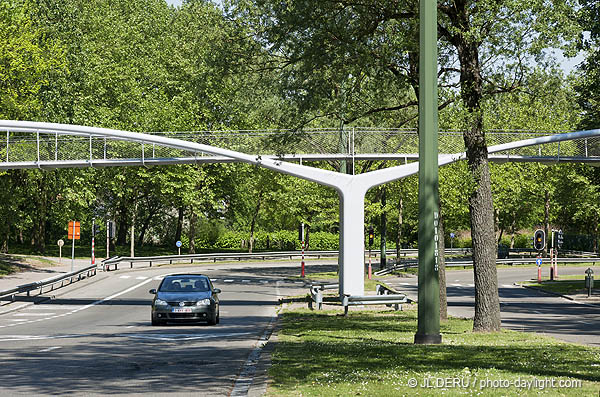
[
  {"x": 522, "y": 309},
  {"x": 95, "y": 338}
]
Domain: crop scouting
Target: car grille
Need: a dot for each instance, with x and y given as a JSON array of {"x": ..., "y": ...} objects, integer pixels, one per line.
[{"x": 176, "y": 303}]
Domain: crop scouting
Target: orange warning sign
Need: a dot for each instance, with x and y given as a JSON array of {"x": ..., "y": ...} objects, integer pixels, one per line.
[{"x": 77, "y": 230}]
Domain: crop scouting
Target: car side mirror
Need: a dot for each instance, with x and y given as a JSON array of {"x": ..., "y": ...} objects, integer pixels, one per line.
[
  {"x": 217, "y": 291},
  {"x": 152, "y": 291}
]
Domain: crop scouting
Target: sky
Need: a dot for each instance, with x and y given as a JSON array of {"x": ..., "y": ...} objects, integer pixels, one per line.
[{"x": 567, "y": 64}]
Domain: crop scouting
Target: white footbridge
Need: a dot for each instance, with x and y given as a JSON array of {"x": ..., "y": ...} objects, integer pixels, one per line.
[{"x": 27, "y": 144}]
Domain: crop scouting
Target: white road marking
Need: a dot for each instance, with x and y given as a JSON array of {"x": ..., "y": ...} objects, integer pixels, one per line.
[
  {"x": 264, "y": 281},
  {"x": 471, "y": 285},
  {"x": 180, "y": 337},
  {"x": 49, "y": 349},
  {"x": 34, "y": 314},
  {"x": 245, "y": 281},
  {"x": 108, "y": 298},
  {"x": 18, "y": 319},
  {"x": 456, "y": 285},
  {"x": 125, "y": 277},
  {"x": 214, "y": 279},
  {"x": 159, "y": 277},
  {"x": 228, "y": 281},
  {"x": 141, "y": 278},
  {"x": 52, "y": 307},
  {"x": 10, "y": 338}
]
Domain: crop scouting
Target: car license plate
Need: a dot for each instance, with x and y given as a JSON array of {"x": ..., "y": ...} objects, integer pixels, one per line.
[{"x": 182, "y": 310}]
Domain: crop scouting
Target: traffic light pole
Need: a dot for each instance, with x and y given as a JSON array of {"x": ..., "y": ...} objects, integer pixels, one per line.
[{"x": 428, "y": 325}]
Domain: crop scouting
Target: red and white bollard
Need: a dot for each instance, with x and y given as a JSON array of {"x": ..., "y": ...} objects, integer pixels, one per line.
[{"x": 93, "y": 254}]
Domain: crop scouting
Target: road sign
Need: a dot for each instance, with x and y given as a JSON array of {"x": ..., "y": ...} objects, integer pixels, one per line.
[
  {"x": 77, "y": 231},
  {"x": 178, "y": 244},
  {"x": 538, "y": 261},
  {"x": 452, "y": 235},
  {"x": 60, "y": 243}
]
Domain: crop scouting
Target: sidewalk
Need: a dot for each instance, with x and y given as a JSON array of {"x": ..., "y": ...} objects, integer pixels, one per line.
[{"x": 32, "y": 272}]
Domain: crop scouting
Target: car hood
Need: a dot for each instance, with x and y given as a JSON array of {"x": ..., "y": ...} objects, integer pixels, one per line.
[{"x": 183, "y": 296}]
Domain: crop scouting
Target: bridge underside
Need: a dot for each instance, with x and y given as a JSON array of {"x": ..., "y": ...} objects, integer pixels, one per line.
[{"x": 405, "y": 158}]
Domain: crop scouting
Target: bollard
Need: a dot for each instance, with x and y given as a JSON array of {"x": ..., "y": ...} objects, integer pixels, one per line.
[{"x": 551, "y": 273}]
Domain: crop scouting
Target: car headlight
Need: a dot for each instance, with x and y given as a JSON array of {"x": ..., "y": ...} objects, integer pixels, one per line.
[
  {"x": 160, "y": 302},
  {"x": 203, "y": 302}
]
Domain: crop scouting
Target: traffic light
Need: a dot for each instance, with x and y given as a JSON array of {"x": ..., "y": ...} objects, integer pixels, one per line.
[
  {"x": 371, "y": 235},
  {"x": 539, "y": 240},
  {"x": 112, "y": 229},
  {"x": 96, "y": 230}
]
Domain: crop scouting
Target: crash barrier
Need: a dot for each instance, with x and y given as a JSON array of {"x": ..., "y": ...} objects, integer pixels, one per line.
[
  {"x": 51, "y": 283},
  {"x": 316, "y": 294},
  {"x": 466, "y": 263},
  {"x": 114, "y": 262},
  {"x": 384, "y": 296}
]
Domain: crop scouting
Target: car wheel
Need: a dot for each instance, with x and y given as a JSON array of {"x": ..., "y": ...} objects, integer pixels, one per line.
[
  {"x": 213, "y": 320},
  {"x": 157, "y": 322},
  {"x": 218, "y": 318}
]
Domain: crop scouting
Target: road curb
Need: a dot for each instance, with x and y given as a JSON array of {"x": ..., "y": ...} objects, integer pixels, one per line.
[{"x": 559, "y": 295}]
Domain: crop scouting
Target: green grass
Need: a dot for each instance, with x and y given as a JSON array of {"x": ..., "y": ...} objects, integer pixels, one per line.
[
  {"x": 371, "y": 353},
  {"x": 6, "y": 266},
  {"x": 334, "y": 277},
  {"x": 565, "y": 285}
]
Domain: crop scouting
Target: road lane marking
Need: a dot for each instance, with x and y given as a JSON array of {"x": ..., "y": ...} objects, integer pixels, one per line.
[
  {"x": 34, "y": 314},
  {"x": 245, "y": 281},
  {"x": 49, "y": 349},
  {"x": 228, "y": 281},
  {"x": 181, "y": 337},
  {"x": 98, "y": 302},
  {"x": 125, "y": 277},
  {"x": 11, "y": 338},
  {"x": 141, "y": 278},
  {"x": 50, "y": 306}
]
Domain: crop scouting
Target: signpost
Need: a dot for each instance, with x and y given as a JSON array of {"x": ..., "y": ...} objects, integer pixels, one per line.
[
  {"x": 452, "y": 235},
  {"x": 74, "y": 233},
  {"x": 538, "y": 262},
  {"x": 178, "y": 244},
  {"x": 371, "y": 238}
]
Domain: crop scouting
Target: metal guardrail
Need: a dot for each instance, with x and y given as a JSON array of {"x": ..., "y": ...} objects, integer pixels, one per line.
[
  {"x": 115, "y": 261},
  {"x": 508, "y": 261},
  {"x": 51, "y": 282},
  {"x": 384, "y": 296}
]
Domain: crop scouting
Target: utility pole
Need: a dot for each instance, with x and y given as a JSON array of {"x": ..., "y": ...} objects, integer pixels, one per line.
[{"x": 428, "y": 324}]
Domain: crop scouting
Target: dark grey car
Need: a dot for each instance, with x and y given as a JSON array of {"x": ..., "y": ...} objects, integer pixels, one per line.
[{"x": 185, "y": 297}]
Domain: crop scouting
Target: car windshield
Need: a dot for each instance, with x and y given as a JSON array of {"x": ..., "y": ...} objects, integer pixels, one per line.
[{"x": 184, "y": 284}]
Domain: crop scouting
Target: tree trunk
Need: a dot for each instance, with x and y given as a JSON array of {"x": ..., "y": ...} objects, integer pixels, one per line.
[
  {"x": 39, "y": 236},
  {"x": 179, "y": 223},
  {"x": 254, "y": 217},
  {"x": 546, "y": 219},
  {"x": 442, "y": 267},
  {"x": 487, "y": 302},
  {"x": 192, "y": 232},
  {"x": 383, "y": 231},
  {"x": 399, "y": 235}
]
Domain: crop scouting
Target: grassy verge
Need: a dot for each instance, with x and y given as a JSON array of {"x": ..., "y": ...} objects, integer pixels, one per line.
[
  {"x": 6, "y": 266},
  {"x": 372, "y": 353},
  {"x": 566, "y": 285},
  {"x": 333, "y": 277}
]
